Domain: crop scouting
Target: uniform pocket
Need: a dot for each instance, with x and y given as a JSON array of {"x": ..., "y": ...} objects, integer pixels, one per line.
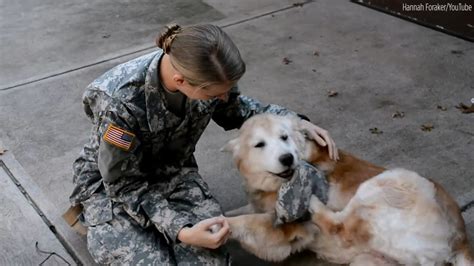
[{"x": 97, "y": 210}]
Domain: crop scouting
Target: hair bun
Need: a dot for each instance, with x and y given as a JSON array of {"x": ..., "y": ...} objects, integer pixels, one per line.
[{"x": 166, "y": 37}]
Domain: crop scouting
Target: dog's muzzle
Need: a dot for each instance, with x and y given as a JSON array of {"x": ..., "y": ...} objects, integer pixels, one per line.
[{"x": 287, "y": 174}]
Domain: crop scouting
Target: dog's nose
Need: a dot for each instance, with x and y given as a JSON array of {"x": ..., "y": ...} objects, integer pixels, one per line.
[{"x": 286, "y": 159}]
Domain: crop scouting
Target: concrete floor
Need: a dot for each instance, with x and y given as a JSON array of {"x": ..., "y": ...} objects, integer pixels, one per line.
[{"x": 377, "y": 63}]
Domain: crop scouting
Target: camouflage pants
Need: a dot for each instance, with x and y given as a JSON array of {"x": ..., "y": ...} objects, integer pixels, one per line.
[{"x": 123, "y": 240}]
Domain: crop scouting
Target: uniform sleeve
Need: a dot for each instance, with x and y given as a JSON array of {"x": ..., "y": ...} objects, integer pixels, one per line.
[
  {"x": 119, "y": 166},
  {"x": 232, "y": 114}
]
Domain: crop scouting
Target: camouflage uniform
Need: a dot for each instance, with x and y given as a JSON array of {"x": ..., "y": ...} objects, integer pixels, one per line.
[
  {"x": 153, "y": 183},
  {"x": 294, "y": 196}
]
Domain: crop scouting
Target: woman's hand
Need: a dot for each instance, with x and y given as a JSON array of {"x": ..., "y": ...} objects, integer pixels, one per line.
[
  {"x": 210, "y": 233},
  {"x": 322, "y": 137}
]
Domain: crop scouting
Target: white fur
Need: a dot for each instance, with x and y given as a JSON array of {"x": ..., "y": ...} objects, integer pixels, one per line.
[
  {"x": 336, "y": 200},
  {"x": 397, "y": 207},
  {"x": 261, "y": 164},
  {"x": 404, "y": 218},
  {"x": 267, "y": 157}
]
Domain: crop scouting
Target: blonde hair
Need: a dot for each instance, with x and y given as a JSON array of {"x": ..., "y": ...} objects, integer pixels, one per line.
[{"x": 203, "y": 54}]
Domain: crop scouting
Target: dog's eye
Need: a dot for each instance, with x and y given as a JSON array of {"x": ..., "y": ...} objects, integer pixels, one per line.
[
  {"x": 261, "y": 144},
  {"x": 284, "y": 137}
]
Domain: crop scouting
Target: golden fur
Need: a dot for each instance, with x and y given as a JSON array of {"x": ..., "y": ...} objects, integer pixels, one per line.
[{"x": 365, "y": 195}]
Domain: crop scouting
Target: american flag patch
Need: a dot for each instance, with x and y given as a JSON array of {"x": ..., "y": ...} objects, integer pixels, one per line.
[{"x": 119, "y": 137}]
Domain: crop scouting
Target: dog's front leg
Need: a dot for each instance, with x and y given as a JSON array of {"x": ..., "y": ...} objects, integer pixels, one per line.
[
  {"x": 256, "y": 234},
  {"x": 328, "y": 221},
  {"x": 247, "y": 209},
  {"x": 348, "y": 226}
]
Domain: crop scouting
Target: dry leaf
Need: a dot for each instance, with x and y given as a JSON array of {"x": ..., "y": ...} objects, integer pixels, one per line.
[
  {"x": 398, "y": 114},
  {"x": 332, "y": 93},
  {"x": 466, "y": 109},
  {"x": 2, "y": 151},
  {"x": 375, "y": 130},
  {"x": 427, "y": 127},
  {"x": 442, "y": 108},
  {"x": 286, "y": 60}
]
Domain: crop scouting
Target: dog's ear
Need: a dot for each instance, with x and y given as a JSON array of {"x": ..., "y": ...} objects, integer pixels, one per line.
[{"x": 231, "y": 146}]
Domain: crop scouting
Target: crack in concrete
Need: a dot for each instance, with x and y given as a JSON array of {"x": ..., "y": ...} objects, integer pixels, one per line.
[
  {"x": 467, "y": 206},
  {"x": 45, "y": 219},
  {"x": 295, "y": 5},
  {"x": 465, "y": 132}
]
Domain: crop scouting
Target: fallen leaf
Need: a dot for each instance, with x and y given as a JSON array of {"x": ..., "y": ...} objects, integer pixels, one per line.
[
  {"x": 442, "y": 108},
  {"x": 316, "y": 53},
  {"x": 466, "y": 109},
  {"x": 398, "y": 114},
  {"x": 286, "y": 60},
  {"x": 332, "y": 93},
  {"x": 427, "y": 127},
  {"x": 299, "y": 4},
  {"x": 2, "y": 151},
  {"x": 375, "y": 130}
]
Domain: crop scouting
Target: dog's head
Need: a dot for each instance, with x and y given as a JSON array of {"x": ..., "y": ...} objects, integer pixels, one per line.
[{"x": 267, "y": 151}]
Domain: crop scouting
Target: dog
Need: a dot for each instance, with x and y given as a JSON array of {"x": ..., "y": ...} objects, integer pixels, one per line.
[{"x": 373, "y": 216}]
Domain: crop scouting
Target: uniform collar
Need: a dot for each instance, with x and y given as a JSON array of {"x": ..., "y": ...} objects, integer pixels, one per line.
[{"x": 158, "y": 116}]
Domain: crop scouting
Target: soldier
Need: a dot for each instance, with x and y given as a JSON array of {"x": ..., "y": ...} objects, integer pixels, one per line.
[{"x": 143, "y": 199}]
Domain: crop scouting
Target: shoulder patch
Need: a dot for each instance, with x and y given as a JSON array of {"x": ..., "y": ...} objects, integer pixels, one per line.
[{"x": 118, "y": 137}]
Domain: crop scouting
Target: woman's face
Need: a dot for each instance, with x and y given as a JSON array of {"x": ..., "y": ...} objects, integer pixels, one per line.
[{"x": 213, "y": 91}]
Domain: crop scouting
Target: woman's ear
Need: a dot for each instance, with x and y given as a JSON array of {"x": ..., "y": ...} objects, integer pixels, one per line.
[{"x": 178, "y": 79}]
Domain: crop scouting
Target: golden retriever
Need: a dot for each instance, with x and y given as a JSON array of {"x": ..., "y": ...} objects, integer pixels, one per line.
[{"x": 373, "y": 216}]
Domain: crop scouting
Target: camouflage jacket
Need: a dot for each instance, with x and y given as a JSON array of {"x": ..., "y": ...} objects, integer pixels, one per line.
[{"x": 130, "y": 98}]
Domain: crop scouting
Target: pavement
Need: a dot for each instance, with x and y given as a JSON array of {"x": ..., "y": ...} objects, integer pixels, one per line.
[{"x": 379, "y": 66}]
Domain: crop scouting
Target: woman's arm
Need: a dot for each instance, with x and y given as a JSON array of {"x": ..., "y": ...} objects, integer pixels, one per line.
[
  {"x": 233, "y": 113},
  {"x": 119, "y": 161}
]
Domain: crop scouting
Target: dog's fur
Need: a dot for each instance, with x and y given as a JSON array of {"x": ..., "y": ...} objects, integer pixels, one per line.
[{"x": 373, "y": 216}]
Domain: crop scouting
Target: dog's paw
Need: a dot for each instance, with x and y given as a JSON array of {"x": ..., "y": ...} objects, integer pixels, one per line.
[
  {"x": 215, "y": 228},
  {"x": 315, "y": 205}
]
